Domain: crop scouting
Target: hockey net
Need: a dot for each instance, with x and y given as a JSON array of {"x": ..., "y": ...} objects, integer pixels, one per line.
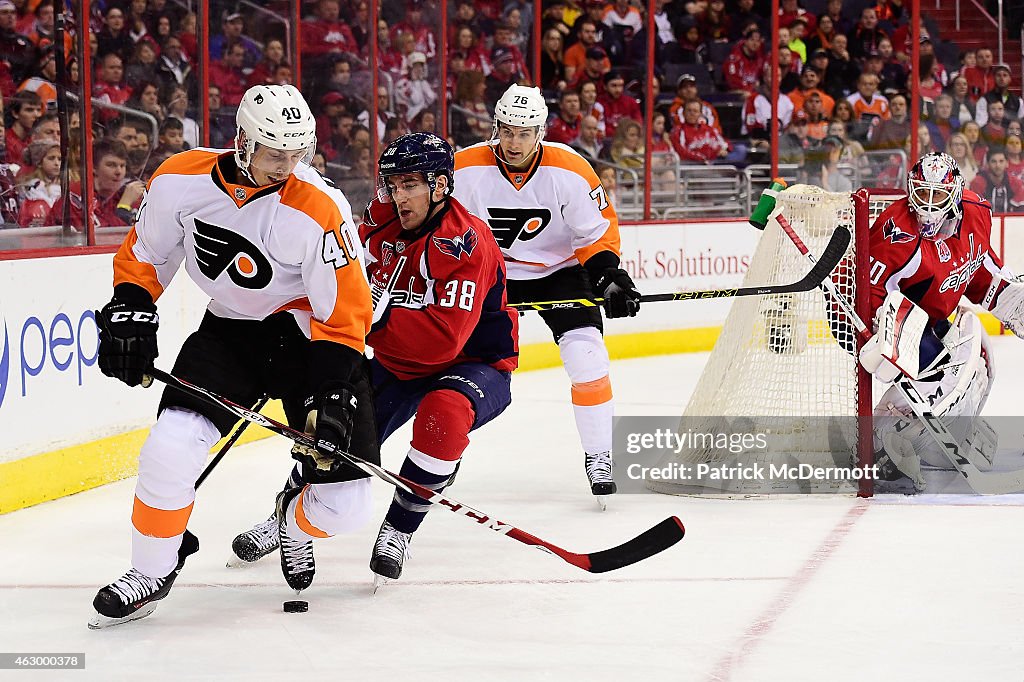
[{"x": 784, "y": 365}]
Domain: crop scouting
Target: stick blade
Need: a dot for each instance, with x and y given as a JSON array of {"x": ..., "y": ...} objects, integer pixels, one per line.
[
  {"x": 643, "y": 546},
  {"x": 830, "y": 257}
]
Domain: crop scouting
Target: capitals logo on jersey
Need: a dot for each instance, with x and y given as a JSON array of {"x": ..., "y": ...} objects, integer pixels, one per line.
[
  {"x": 510, "y": 224},
  {"x": 894, "y": 234},
  {"x": 456, "y": 246},
  {"x": 219, "y": 249}
]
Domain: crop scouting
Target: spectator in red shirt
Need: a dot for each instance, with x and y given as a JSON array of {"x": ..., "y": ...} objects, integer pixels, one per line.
[
  {"x": 694, "y": 140},
  {"x": 110, "y": 87},
  {"x": 617, "y": 105},
  {"x": 327, "y": 33},
  {"x": 593, "y": 70},
  {"x": 26, "y": 108},
  {"x": 113, "y": 200},
  {"x": 745, "y": 64},
  {"x": 273, "y": 56},
  {"x": 467, "y": 46},
  {"x": 422, "y": 33},
  {"x": 227, "y": 74},
  {"x": 980, "y": 78},
  {"x": 789, "y": 11},
  {"x": 565, "y": 127}
]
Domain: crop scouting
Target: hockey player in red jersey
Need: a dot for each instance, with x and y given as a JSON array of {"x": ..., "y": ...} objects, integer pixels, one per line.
[
  {"x": 273, "y": 244},
  {"x": 560, "y": 237},
  {"x": 928, "y": 251},
  {"x": 444, "y": 342}
]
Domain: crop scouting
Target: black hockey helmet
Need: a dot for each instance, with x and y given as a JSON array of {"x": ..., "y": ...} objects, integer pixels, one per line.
[{"x": 418, "y": 153}]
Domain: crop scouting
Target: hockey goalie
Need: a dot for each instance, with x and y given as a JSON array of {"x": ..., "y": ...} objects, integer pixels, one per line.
[{"x": 928, "y": 251}]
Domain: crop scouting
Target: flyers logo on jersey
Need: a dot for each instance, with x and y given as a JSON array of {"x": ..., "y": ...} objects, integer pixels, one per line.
[
  {"x": 219, "y": 249},
  {"x": 510, "y": 224},
  {"x": 894, "y": 234},
  {"x": 456, "y": 246}
]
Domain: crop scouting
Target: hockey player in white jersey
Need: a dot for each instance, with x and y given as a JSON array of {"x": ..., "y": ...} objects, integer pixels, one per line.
[
  {"x": 274, "y": 246},
  {"x": 560, "y": 237}
]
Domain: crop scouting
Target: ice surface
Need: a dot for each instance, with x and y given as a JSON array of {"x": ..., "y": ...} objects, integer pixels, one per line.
[{"x": 825, "y": 588}]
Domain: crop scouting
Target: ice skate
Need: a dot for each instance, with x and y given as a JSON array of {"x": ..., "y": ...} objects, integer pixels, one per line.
[
  {"x": 599, "y": 473},
  {"x": 389, "y": 554},
  {"x": 135, "y": 595},
  {"x": 249, "y": 547},
  {"x": 297, "y": 563}
]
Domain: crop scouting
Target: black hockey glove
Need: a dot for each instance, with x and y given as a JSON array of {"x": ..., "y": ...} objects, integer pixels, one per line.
[
  {"x": 621, "y": 297},
  {"x": 127, "y": 339},
  {"x": 330, "y": 421}
]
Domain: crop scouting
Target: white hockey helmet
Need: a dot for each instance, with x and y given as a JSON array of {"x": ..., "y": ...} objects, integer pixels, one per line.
[
  {"x": 522, "y": 107},
  {"x": 274, "y": 116},
  {"x": 935, "y": 188}
]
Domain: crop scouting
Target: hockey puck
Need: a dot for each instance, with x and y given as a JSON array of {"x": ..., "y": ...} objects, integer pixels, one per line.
[{"x": 296, "y": 606}]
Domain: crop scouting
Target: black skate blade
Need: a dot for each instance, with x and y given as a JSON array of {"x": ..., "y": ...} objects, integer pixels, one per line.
[{"x": 100, "y": 622}]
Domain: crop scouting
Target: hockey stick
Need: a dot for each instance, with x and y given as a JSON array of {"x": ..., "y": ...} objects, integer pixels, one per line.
[
  {"x": 983, "y": 482},
  {"x": 231, "y": 441},
  {"x": 830, "y": 258},
  {"x": 647, "y": 544}
]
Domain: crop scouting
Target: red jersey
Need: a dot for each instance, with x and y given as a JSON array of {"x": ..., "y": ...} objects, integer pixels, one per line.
[
  {"x": 934, "y": 274},
  {"x": 743, "y": 72},
  {"x": 565, "y": 132},
  {"x": 447, "y": 291},
  {"x": 697, "y": 143},
  {"x": 616, "y": 109},
  {"x": 321, "y": 37},
  {"x": 423, "y": 35}
]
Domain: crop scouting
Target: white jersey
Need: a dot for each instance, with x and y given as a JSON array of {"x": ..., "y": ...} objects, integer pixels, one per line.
[
  {"x": 255, "y": 251},
  {"x": 552, "y": 215}
]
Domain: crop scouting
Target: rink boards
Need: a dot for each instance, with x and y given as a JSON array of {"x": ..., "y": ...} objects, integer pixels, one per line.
[{"x": 66, "y": 428}]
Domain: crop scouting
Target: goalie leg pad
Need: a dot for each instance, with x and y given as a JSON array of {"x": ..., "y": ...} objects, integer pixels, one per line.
[{"x": 957, "y": 394}]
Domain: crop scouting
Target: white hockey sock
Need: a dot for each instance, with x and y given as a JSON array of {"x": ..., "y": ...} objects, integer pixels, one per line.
[
  {"x": 330, "y": 509},
  {"x": 586, "y": 362},
  {"x": 171, "y": 460}
]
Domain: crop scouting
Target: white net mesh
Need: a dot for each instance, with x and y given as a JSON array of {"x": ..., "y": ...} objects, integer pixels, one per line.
[{"x": 779, "y": 366}]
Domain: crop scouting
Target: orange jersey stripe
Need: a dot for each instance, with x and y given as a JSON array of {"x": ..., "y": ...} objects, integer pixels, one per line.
[
  {"x": 159, "y": 523},
  {"x": 474, "y": 156},
  {"x": 128, "y": 268},
  {"x": 610, "y": 240},
  {"x": 591, "y": 393},
  {"x": 349, "y": 322},
  {"x": 192, "y": 162},
  {"x": 303, "y": 523}
]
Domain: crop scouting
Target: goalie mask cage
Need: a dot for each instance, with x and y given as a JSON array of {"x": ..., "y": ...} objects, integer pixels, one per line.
[{"x": 784, "y": 365}]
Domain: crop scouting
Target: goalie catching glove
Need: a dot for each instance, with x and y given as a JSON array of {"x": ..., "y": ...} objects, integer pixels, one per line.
[
  {"x": 330, "y": 422},
  {"x": 127, "y": 332},
  {"x": 1009, "y": 303}
]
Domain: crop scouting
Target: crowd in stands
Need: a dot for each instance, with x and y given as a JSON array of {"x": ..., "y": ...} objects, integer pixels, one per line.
[{"x": 844, "y": 72}]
